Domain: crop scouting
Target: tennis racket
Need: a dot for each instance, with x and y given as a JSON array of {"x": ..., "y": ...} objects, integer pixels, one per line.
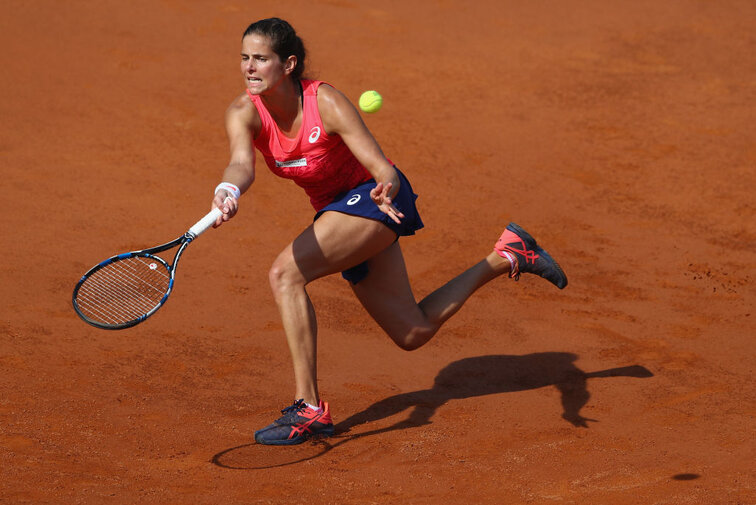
[{"x": 124, "y": 290}]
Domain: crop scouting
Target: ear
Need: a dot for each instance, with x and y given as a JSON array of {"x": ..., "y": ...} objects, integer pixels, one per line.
[{"x": 290, "y": 64}]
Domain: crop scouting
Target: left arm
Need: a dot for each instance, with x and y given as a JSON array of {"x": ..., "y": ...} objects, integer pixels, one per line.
[{"x": 340, "y": 116}]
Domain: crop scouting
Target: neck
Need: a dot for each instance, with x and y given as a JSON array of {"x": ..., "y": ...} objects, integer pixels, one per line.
[{"x": 283, "y": 103}]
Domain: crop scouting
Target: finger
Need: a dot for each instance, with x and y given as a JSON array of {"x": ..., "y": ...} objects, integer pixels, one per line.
[
  {"x": 218, "y": 199},
  {"x": 233, "y": 207},
  {"x": 386, "y": 194},
  {"x": 391, "y": 206},
  {"x": 375, "y": 193},
  {"x": 227, "y": 204},
  {"x": 393, "y": 213}
]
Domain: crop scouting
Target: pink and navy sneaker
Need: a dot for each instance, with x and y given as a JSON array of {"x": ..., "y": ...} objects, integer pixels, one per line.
[
  {"x": 298, "y": 423},
  {"x": 529, "y": 256}
]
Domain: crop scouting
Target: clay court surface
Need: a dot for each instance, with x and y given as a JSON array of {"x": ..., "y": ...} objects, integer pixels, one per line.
[{"x": 621, "y": 134}]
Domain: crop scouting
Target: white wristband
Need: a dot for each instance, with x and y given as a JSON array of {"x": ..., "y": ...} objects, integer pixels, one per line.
[{"x": 231, "y": 188}]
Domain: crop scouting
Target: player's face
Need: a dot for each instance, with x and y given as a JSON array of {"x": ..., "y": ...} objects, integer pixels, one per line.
[{"x": 261, "y": 68}]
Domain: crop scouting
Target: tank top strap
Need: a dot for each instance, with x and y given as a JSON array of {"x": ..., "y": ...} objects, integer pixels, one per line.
[
  {"x": 312, "y": 123},
  {"x": 310, "y": 88}
]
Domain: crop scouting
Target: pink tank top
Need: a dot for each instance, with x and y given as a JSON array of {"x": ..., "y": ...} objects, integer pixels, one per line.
[{"x": 321, "y": 164}]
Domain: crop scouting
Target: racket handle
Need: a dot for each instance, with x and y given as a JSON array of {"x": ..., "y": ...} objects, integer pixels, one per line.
[{"x": 206, "y": 222}]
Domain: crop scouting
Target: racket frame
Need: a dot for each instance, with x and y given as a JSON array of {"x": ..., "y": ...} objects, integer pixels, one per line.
[
  {"x": 182, "y": 241},
  {"x": 195, "y": 231}
]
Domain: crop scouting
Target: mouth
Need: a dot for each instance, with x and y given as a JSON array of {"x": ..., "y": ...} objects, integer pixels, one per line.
[{"x": 253, "y": 80}]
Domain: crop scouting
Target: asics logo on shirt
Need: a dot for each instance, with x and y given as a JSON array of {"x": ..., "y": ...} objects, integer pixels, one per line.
[{"x": 314, "y": 134}]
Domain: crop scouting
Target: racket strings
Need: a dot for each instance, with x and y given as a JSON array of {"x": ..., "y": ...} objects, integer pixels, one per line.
[{"x": 124, "y": 290}]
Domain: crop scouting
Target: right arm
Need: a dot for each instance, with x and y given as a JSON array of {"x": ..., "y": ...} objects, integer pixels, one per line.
[{"x": 242, "y": 121}]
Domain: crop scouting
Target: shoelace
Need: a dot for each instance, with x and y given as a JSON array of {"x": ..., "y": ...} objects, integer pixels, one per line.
[
  {"x": 515, "y": 274},
  {"x": 292, "y": 410}
]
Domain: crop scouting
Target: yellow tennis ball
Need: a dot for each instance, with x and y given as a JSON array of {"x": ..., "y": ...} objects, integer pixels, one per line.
[{"x": 371, "y": 101}]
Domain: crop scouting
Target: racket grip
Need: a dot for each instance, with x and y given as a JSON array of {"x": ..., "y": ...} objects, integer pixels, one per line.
[{"x": 206, "y": 222}]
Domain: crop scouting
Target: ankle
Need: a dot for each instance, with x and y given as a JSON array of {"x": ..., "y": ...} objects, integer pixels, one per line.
[{"x": 503, "y": 262}]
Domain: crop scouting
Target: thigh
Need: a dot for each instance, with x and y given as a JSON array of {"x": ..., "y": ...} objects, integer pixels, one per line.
[
  {"x": 336, "y": 242},
  {"x": 387, "y": 295}
]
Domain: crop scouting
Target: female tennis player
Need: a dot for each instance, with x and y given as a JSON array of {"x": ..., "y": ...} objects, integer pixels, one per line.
[{"x": 309, "y": 132}]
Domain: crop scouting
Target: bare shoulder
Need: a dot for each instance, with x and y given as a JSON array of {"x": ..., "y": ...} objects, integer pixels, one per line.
[
  {"x": 241, "y": 106},
  {"x": 242, "y": 113},
  {"x": 335, "y": 109},
  {"x": 330, "y": 97}
]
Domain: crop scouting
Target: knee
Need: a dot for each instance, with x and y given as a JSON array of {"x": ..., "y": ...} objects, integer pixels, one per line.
[
  {"x": 284, "y": 276},
  {"x": 413, "y": 339}
]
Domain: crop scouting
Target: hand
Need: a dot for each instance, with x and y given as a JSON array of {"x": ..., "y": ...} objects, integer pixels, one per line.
[
  {"x": 227, "y": 203},
  {"x": 380, "y": 196}
]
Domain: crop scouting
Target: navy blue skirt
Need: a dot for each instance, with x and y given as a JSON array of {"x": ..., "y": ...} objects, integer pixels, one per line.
[{"x": 357, "y": 202}]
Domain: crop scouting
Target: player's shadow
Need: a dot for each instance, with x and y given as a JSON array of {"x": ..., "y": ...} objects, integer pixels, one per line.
[
  {"x": 487, "y": 375},
  {"x": 466, "y": 378}
]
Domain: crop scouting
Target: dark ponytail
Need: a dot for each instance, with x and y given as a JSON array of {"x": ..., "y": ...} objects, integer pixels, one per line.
[{"x": 283, "y": 40}]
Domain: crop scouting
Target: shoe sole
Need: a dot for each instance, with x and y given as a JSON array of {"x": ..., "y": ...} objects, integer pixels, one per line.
[
  {"x": 531, "y": 243},
  {"x": 295, "y": 441}
]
